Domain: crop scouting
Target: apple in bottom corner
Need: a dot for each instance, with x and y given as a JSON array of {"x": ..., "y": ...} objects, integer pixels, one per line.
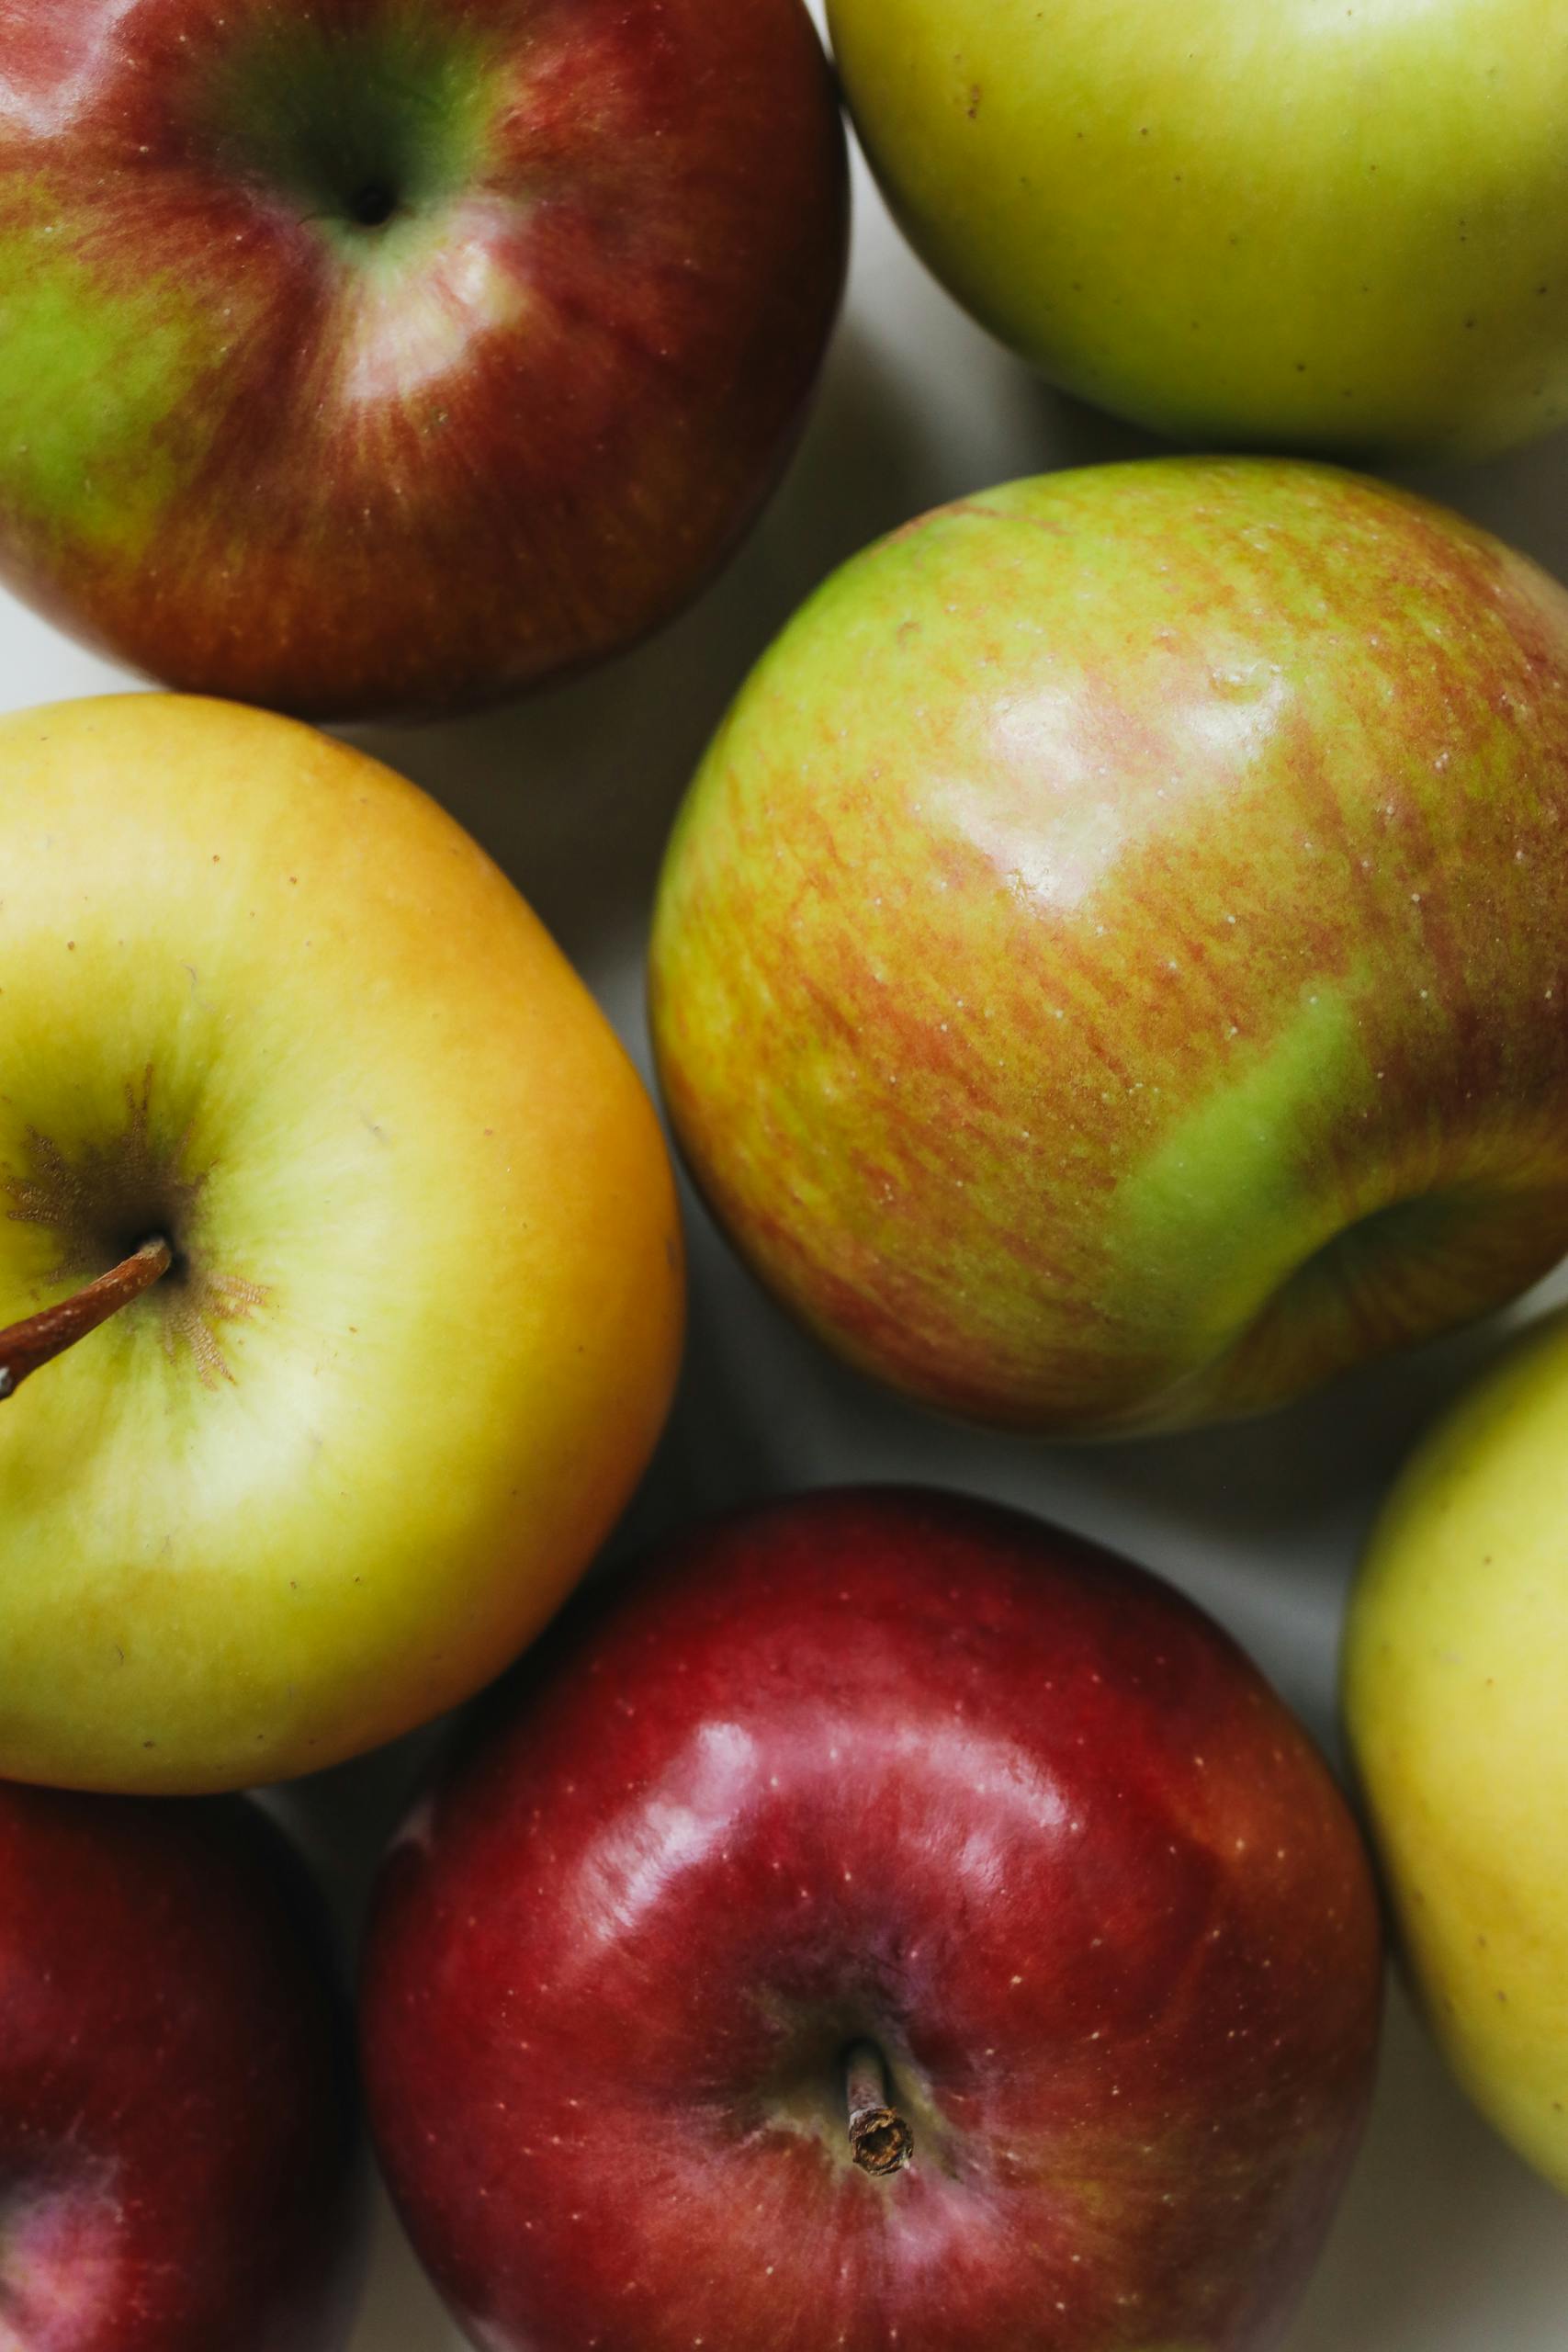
[
  {"x": 177, "y": 2131},
  {"x": 884, "y": 1920}
]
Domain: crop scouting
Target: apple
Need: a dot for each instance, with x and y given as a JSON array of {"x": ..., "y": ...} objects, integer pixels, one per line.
[
  {"x": 274, "y": 1023},
  {"x": 1454, "y": 1655},
  {"x": 176, "y": 2114},
  {"x": 886, "y": 1921},
  {"x": 1335, "y": 227},
  {"x": 1109, "y": 971},
  {"x": 399, "y": 356}
]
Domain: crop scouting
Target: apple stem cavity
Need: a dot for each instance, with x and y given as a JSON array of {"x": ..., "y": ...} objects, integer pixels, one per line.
[
  {"x": 880, "y": 2141},
  {"x": 23, "y": 1347}
]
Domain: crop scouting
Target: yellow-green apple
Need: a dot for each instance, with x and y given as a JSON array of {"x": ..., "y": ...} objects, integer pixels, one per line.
[
  {"x": 177, "y": 2123},
  {"x": 1454, "y": 1660},
  {"x": 1109, "y": 971},
  {"x": 1326, "y": 226},
  {"x": 268, "y": 1009},
  {"x": 885, "y": 1922},
  {"x": 400, "y": 354}
]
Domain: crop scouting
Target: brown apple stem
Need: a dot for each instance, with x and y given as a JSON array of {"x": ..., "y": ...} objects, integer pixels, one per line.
[
  {"x": 880, "y": 2141},
  {"x": 25, "y": 1346}
]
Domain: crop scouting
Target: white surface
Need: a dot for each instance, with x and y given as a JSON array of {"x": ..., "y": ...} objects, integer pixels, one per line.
[{"x": 1446, "y": 2242}]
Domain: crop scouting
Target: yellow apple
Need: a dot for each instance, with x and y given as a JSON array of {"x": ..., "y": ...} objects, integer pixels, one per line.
[
  {"x": 1456, "y": 1689},
  {"x": 260, "y": 997},
  {"x": 1328, "y": 224}
]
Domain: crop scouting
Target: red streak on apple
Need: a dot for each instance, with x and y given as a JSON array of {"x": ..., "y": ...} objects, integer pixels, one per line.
[
  {"x": 885, "y": 1768},
  {"x": 175, "y": 2110}
]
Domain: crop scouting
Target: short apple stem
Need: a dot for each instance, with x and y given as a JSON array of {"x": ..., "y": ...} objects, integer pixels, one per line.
[
  {"x": 880, "y": 2141},
  {"x": 23, "y": 1347}
]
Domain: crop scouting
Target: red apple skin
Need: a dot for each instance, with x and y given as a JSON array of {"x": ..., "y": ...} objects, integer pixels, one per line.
[
  {"x": 895, "y": 1765},
  {"x": 260, "y": 449},
  {"x": 175, "y": 2121}
]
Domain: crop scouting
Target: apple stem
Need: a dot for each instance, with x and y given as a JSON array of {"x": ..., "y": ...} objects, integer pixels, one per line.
[
  {"x": 25, "y": 1346},
  {"x": 880, "y": 2141}
]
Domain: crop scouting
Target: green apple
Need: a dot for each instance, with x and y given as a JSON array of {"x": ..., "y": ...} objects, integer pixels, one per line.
[
  {"x": 1111, "y": 970},
  {"x": 266, "y": 1004},
  {"x": 1313, "y": 224},
  {"x": 1456, "y": 1664}
]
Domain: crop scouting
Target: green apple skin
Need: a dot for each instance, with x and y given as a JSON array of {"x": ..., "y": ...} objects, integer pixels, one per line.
[
  {"x": 1454, "y": 1678},
  {"x": 1308, "y": 225},
  {"x": 1109, "y": 971},
  {"x": 338, "y": 1466}
]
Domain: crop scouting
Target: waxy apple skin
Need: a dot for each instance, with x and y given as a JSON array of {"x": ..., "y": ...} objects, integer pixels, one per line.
[
  {"x": 1309, "y": 226},
  {"x": 897, "y": 1765},
  {"x": 329, "y": 1475},
  {"x": 177, "y": 2119},
  {"x": 1109, "y": 971},
  {"x": 1455, "y": 1647},
  {"x": 262, "y": 436}
]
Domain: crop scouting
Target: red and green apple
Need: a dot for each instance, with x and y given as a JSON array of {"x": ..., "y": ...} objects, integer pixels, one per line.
[
  {"x": 1109, "y": 971},
  {"x": 398, "y": 355},
  {"x": 405, "y": 1290},
  {"x": 885, "y": 1921}
]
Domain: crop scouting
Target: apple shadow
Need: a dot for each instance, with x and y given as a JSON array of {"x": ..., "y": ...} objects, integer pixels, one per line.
[
  {"x": 1438, "y": 2210},
  {"x": 400, "y": 2311},
  {"x": 1504, "y": 495},
  {"x": 574, "y": 790}
]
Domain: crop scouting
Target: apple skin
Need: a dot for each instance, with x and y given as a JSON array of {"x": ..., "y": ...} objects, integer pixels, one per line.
[
  {"x": 258, "y": 447},
  {"x": 1455, "y": 1642},
  {"x": 1108, "y": 971},
  {"x": 895, "y": 1765},
  {"x": 177, "y": 2117},
  {"x": 328, "y": 1478},
  {"x": 1342, "y": 228}
]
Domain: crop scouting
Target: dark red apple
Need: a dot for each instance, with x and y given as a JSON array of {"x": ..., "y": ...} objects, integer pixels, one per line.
[
  {"x": 382, "y": 355},
  {"x": 176, "y": 2122},
  {"x": 880, "y": 1800}
]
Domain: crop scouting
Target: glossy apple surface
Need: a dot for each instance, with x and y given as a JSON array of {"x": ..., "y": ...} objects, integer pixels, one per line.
[
  {"x": 398, "y": 355},
  {"x": 330, "y": 1473},
  {"x": 176, "y": 2115},
  {"x": 1454, "y": 1695},
  {"x": 1109, "y": 971},
  {"x": 897, "y": 1769},
  {"x": 1336, "y": 227}
]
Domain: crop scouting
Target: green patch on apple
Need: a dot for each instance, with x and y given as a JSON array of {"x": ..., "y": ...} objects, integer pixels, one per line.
[
  {"x": 96, "y": 427},
  {"x": 1222, "y": 1207}
]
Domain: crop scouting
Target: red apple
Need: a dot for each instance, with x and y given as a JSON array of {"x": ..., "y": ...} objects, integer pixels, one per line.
[
  {"x": 876, "y": 1800},
  {"x": 175, "y": 2139},
  {"x": 397, "y": 354}
]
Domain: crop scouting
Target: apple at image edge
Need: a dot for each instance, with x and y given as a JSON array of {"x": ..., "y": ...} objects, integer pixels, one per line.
[
  {"x": 1108, "y": 971},
  {"x": 892, "y": 1767},
  {"x": 177, "y": 2127},
  {"x": 393, "y": 358},
  {"x": 330, "y": 1474},
  {"x": 1306, "y": 227},
  {"x": 1456, "y": 1644}
]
